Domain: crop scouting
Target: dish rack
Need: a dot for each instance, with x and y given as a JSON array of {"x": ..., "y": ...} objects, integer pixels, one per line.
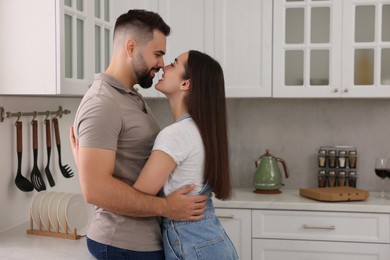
[{"x": 52, "y": 233}]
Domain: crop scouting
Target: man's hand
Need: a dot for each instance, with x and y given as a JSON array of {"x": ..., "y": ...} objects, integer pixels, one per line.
[
  {"x": 184, "y": 207},
  {"x": 74, "y": 144}
]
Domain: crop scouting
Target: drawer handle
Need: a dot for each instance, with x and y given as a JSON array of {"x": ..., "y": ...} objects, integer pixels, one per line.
[
  {"x": 226, "y": 216},
  {"x": 319, "y": 227}
]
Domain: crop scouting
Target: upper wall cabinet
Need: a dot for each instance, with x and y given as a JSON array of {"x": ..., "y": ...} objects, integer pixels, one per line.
[
  {"x": 53, "y": 47},
  {"x": 243, "y": 45},
  {"x": 366, "y": 48},
  {"x": 236, "y": 33},
  {"x": 331, "y": 48}
]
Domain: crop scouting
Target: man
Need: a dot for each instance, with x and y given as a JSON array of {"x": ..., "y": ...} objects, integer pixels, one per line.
[{"x": 116, "y": 131}]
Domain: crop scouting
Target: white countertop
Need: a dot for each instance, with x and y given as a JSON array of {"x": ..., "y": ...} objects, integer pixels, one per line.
[
  {"x": 291, "y": 200},
  {"x": 16, "y": 244}
]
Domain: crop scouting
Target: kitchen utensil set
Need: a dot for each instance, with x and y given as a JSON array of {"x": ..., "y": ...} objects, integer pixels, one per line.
[{"x": 36, "y": 177}]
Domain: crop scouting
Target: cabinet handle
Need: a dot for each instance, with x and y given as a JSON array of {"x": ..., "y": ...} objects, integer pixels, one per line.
[
  {"x": 336, "y": 90},
  {"x": 319, "y": 227},
  {"x": 346, "y": 90},
  {"x": 226, "y": 216}
]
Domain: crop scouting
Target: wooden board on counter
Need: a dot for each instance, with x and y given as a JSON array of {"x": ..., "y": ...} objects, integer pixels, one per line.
[{"x": 334, "y": 194}]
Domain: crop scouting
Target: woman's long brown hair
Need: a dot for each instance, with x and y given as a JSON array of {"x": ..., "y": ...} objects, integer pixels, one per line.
[{"x": 207, "y": 106}]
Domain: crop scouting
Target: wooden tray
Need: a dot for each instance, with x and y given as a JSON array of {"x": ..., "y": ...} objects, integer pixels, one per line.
[{"x": 334, "y": 194}]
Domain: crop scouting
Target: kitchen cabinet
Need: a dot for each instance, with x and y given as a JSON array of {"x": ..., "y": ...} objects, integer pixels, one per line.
[
  {"x": 53, "y": 47},
  {"x": 334, "y": 49},
  {"x": 288, "y": 226},
  {"x": 274, "y": 249},
  {"x": 353, "y": 235},
  {"x": 237, "y": 224},
  {"x": 238, "y": 34}
]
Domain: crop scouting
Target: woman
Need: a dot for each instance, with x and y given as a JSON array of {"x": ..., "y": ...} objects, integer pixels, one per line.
[{"x": 194, "y": 149}]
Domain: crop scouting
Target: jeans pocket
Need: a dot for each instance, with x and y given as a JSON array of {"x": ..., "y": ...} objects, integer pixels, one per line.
[
  {"x": 217, "y": 248},
  {"x": 171, "y": 244}
]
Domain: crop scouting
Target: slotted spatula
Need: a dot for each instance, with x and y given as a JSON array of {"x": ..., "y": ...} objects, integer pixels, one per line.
[
  {"x": 36, "y": 176},
  {"x": 65, "y": 169}
]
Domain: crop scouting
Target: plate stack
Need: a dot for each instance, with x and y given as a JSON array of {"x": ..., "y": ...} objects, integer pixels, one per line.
[{"x": 61, "y": 212}]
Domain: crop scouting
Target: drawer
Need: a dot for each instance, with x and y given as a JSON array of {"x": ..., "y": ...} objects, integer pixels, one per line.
[
  {"x": 274, "y": 249},
  {"x": 331, "y": 226}
]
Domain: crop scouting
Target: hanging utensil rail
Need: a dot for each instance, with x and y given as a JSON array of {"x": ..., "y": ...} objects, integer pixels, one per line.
[{"x": 57, "y": 113}]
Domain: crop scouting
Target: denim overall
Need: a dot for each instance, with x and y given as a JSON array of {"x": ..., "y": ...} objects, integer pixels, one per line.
[{"x": 203, "y": 239}]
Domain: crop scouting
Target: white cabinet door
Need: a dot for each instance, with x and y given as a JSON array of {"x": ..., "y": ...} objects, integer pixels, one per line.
[
  {"x": 243, "y": 46},
  {"x": 237, "y": 224},
  {"x": 273, "y": 249},
  {"x": 51, "y": 47},
  {"x": 307, "y": 48},
  {"x": 75, "y": 46},
  {"x": 238, "y": 34},
  {"x": 28, "y": 47},
  {"x": 366, "y": 48}
]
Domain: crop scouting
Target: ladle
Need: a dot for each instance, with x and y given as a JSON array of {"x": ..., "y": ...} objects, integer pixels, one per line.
[{"x": 21, "y": 182}]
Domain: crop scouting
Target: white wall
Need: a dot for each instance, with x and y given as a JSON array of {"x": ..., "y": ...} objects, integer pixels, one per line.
[
  {"x": 293, "y": 129},
  {"x": 14, "y": 203}
]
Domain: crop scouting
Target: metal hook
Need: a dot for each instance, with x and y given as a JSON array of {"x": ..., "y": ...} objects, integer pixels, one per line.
[
  {"x": 19, "y": 115},
  {"x": 35, "y": 113},
  {"x": 47, "y": 114}
]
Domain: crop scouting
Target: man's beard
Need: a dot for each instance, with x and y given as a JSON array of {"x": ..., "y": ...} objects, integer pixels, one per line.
[
  {"x": 145, "y": 80},
  {"x": 143, "y": 73}
]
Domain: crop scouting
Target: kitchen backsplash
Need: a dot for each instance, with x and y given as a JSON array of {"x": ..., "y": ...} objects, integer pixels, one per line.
[{"x": 293, "y": 129}]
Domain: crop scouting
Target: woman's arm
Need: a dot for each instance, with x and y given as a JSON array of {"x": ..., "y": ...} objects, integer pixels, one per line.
[{"x": 155, "y": 172}]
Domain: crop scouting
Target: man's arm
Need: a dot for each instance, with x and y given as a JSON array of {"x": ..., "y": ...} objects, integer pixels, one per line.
[{"x": 99, "y": 187}]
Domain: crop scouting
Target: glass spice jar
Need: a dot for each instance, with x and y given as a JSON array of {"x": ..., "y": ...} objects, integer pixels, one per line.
[
  {"x": 332, "y": 178},
  {"x": 322, "y": 158},
  {"x": 341, "y": 178},
  {"x": 352, "y": 158},
  {"x": 342, "y": 159},
  {"x": 321, "y": 178},
  {"x": 332, "y": 159},
  {"x": 352, "y": 179}
]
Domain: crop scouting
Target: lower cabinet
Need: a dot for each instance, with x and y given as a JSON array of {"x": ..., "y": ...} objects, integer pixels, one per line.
[
  {"x": 237, "y": 224},
  {"x": 315, "y": 235},
  {"x": 276, "y": 249}
]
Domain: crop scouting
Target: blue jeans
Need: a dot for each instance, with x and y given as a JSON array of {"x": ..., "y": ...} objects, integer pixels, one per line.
[
  {"x": 203, "y": 239},
  {"x": 102, "y": 251}
]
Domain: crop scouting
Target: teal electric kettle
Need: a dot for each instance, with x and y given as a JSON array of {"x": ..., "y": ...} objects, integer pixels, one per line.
[{"x": 268, "y": 178}]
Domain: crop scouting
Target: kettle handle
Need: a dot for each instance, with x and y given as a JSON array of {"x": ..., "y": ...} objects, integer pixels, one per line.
[{"x": 284, "y": 166}]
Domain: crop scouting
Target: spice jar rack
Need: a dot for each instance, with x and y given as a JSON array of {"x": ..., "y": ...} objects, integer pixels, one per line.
[{"x": 337, "y": 166}]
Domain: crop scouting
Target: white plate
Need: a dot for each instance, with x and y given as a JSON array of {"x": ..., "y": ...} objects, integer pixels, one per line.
[
  {"x": 52, "y": 210},
  {"x": 35, "y": 208},
  {"x": 43, "y": 209},
  {"x": 79, "y": 214},
  {"x": 61, "y": 211}
]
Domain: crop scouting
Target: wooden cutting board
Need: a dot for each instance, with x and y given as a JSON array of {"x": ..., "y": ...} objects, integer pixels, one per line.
[{"x": 334, "y": 194}]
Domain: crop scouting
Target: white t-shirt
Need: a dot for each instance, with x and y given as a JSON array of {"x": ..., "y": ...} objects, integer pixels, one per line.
[{"x": 182, "y": 141}]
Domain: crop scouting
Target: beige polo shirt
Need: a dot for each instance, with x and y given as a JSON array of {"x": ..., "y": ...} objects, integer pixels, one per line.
[{"x": 110, "y": 117}]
